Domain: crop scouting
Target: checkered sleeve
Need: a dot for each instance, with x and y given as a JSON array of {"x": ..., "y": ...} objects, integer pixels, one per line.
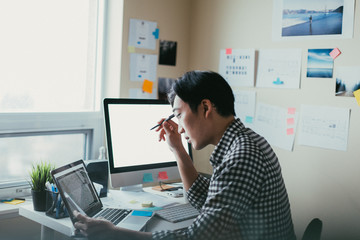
[
  {"x": 231, "y": 192},
  {"x": 197, "y": 193}
]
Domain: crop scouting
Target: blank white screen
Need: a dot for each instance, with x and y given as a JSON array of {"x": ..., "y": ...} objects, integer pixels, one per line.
[{"x": 133, "y": 143}]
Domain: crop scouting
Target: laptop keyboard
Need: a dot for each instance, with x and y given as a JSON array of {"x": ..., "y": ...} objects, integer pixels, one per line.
[
  {"x": 178, "y": 213},
  {"x": 114, "y": 215}
]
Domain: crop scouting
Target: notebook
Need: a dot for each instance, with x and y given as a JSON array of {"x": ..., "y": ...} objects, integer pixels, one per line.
[{"x": 78, "y": 193}]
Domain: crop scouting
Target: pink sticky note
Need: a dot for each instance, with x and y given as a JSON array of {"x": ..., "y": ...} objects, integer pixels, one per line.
[
  {"x": 289, "y": 131},
  {"x": 291, "y": 110},
  {"x": 228, "y": 51},
  {"x": 334, "y": 53},
  {"x": 163, "y": 175},
  {"x": 290, "y": 121}
]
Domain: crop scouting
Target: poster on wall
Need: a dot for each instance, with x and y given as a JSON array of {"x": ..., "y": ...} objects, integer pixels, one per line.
[
  {"x": 143, "y": 66},
  {"x": 167, "y": 55},
  {"x": 324, "y": 127},
  {"x": 279, "y": 68},
  {"x": 309, "y": 19},
  {"x": 245, "y": 104},
  {"x": 237, "y": 66},
  {"x": 143, "y": 34},
  {"x": 276, "y": 124},
  {"x": 347, "y": 81},
  {"x": 320, "y": 64}
]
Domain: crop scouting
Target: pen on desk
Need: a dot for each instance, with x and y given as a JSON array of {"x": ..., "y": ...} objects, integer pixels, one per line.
[{"x": 165, "y": 120}]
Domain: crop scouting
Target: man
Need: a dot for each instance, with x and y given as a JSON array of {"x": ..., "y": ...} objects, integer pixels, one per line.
[{"x": 246, "y": 196}]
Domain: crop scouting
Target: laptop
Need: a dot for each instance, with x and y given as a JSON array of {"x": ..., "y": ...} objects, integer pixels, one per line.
[{"x": 78, "y": 193}]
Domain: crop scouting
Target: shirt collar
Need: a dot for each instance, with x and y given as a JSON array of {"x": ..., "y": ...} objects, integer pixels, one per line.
[{"x": 225, "y": 142}]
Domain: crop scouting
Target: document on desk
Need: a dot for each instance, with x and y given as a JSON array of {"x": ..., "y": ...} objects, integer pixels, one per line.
[{"x": 133, "y": 200}]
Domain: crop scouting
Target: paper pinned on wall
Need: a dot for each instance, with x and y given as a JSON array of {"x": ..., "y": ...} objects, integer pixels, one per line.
[
  {"x": 140, "y": 94},
  {"x": 143, "y": 34},
  {"x": 143, "y": 66},
  {"x": 237, "y": 66},
  {"x": 245, "y": 102},
  {"x": 324, "y": 127},
  {"x": 271, "y": 123},
  {"x": 279, "y": 68}
]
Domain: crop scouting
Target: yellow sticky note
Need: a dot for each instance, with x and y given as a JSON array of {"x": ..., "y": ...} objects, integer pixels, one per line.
[
  {"x": 147, "y": 86},
  {"x": 133, "y": 201},
  {"x": 15, "y": 201},
  {"x": 357, "y": 96},
  {"x": 131, "y": 49}
]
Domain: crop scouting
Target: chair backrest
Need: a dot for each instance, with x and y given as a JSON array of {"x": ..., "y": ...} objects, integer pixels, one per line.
[{"x": 313, "y": 230}]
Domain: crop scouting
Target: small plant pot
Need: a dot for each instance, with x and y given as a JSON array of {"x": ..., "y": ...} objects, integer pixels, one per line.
[{"x": 39, "y": 200}]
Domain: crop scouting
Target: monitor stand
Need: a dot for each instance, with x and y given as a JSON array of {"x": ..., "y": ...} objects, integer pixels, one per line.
[{"x": 133, "y": 188}]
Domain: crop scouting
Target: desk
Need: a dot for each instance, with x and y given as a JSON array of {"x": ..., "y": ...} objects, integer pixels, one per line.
[{"x": 50, "y": 225}]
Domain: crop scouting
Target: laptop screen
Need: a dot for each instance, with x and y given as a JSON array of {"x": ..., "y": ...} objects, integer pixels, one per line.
[{"x": 73, "y": 180}]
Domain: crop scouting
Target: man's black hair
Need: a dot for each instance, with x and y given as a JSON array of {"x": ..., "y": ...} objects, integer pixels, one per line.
[{"x": 194, "y": 86}]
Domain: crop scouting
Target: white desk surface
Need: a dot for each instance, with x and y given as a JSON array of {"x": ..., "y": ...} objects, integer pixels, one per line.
[
  {"x": 8, "y": 210},
  {"x": 65, "y": 226}
]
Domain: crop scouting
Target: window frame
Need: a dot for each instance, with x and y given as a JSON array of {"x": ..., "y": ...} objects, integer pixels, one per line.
[{"x": 17, "y": 124}]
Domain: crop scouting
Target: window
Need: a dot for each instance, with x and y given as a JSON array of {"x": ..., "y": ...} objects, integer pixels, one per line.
[{"x": 50, "y": 95}]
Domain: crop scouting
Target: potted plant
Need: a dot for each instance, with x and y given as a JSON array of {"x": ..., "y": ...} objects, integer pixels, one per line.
[{"x": 39, "y": 175}]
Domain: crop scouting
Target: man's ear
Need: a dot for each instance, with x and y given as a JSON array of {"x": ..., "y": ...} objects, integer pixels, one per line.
[{"x": 207, "y": 107}]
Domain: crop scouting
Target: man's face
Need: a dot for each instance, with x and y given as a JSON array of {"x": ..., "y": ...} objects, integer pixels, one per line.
[{"x": 192, "y": 125}]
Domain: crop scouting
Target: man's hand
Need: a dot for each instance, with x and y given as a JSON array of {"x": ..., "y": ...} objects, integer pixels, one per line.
[{"x": 95, "y": 228}]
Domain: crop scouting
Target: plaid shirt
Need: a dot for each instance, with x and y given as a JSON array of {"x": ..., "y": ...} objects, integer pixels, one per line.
[{"x": 246, "y": 196}]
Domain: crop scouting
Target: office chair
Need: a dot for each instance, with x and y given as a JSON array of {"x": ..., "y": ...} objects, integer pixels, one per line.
[{"x": 313, "y": 230}]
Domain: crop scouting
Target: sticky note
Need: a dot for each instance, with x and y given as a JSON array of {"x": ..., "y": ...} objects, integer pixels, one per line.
[
  {"x": 141, "y": 213},
  {"x": 163, "y": 175},
  {"x": 15, "y": 202},
  {"x": 148, "y": 177},
  {"x": 335, "y": 53},
  {"x": 289, "y": 131},
  {"x": 249, "y": 119},
  {"x": 357, "y": 96},
  {"x": 228, "y": 51},
  {"x": 147, "y": 86},
  {"x": 291, "y": 110},
  {"x": 131, "y": 49},
  {"x": 290, "y": 121},
  {"x": 156, "y": 33}
]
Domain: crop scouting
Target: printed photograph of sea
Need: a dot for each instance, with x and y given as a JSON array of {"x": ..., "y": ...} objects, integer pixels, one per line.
[
  {"x": 320, "y": 64},
  {"x": 309, "y": 17}
]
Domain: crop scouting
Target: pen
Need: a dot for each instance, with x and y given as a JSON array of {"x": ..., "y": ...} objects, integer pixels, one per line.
[{"x": 165, "y": 120}]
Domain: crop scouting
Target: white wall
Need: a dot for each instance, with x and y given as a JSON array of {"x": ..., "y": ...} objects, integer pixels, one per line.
[{"x": 321, "y": 183}]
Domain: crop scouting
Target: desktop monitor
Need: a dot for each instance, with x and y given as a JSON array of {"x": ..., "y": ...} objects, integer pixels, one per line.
[{"x": 135, "y": 154}]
